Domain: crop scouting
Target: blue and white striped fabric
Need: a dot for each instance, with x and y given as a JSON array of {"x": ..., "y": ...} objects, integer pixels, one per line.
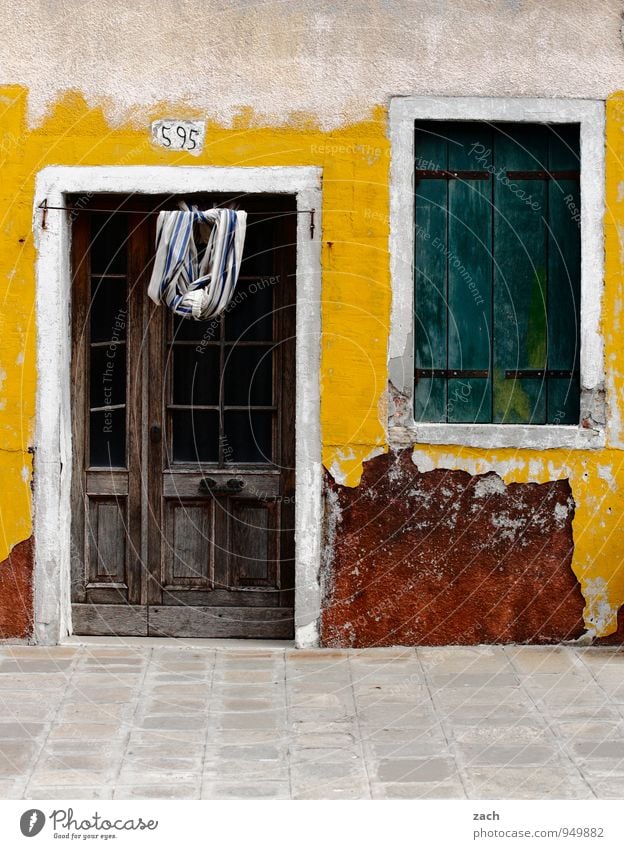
[{"x": 193, "y": 289}]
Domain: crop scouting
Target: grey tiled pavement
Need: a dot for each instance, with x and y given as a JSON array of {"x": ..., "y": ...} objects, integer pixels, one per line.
[{"x": 167, "y": 719}]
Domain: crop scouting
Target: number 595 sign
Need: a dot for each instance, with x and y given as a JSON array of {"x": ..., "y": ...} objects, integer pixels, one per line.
[{"x": 179, "y": 135}]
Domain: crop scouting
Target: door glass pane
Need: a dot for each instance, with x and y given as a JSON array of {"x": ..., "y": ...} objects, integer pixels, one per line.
[
  {"x": 195, "y": 375},
  {"x": 109, "y": 309},
  {"x": 109, "y": 233},
  {"x": 248, "y": 375},
  {"x": 259, "y": 247},
  {"x": 247, "y": 437},
  {"x": 195, "y": 436},
  {"x": 108, "y": 438},
  {"x": 202, "y": 332},
  {"x": 250, "y": 314},
  {"x": 108, "y": 375}
]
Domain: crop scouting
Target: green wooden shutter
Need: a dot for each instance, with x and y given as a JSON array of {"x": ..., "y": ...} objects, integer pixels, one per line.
[{"x": 497, "y": 273}]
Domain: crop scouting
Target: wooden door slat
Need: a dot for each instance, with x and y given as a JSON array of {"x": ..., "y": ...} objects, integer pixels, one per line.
[{"x": 270, "y": 623}]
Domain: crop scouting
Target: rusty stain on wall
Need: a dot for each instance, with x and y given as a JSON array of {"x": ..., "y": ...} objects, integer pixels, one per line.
[
  {"x": 16, "y": 615},
  {"x": 444, "y": 557}
]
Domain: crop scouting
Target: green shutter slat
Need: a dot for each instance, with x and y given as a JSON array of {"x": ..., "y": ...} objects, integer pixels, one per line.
[
  {"x": 564, "y": 276},
  {"x": 520, "y": 274},
  {"x": 430, "y": 280},
  {"x": 469, "y": 262}
]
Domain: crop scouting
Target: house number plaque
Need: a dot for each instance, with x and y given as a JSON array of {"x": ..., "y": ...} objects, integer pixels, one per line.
[{"x": 179, "y": 135}]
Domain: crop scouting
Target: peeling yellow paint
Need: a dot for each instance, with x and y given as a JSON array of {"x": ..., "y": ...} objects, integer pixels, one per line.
[{"x": 355, "y": 307}]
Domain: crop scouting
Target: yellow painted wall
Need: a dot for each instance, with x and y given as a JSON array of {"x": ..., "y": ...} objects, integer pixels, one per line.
[{"x": 355, "y": 309}]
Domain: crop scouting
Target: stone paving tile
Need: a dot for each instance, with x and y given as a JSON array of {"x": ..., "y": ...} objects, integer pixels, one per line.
[
  {"x": 71, "y": 777},
  {"x": 13, "y": 788},
  {"x": 587, "y": 729},
  {"x": 298, "y": 755},
  {"x": 131, "y": 721},
  {"x": 21, "y": 730},
  {"x": 98, "y": 713},
  {"x": 596, "y": 750},
  {"x": 25, "y": 710},
  {"x": 513, "y": 755},
  {"x": 341, "y": 788},
  {"x": 398, "y": 716},
  {"x": 11, "y": 683},
  {"x": 257, "y": 752},
  {"x": 248, "y": 771},
  {"x": 607, "y": 788},
  {"x": 480, "y": 698},
  {"x": 316, "y": 740},
  {"x": 129, "y": 776},
  {"x": 77, "y": 760},
  {"x": 402, "y": 770},
  {"x": 47, "y": 791},
  {"x": 521, "y": 731},
  {"x": 16, "y": 757},
  {"x": 88, "y": 730},
  {"x": 102, "y": 694},
  {"x": 212, "y": 789},
  {"x": 530, "y": 660},
  {"x": 580, "y": 713},
  {"x": 524, "y": 783},
  {"x": 418, "y": 748},
  {"x": 419, "y": 790},
  {"x": 476, "y": 681},
  {"x": 456, "y": 659},
  {"x": 166, "y": 790},
  {"x": 42, "y": 651}
]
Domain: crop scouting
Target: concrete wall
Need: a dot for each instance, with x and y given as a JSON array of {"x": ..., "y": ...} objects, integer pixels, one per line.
[{"x": 300, "y": 84}]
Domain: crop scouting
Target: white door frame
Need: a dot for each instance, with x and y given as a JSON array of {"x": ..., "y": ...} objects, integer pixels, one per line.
[{"x": 53, "y": 440}]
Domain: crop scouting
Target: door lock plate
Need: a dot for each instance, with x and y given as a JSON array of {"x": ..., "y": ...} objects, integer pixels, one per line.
[{"x": 213, "y": 487}]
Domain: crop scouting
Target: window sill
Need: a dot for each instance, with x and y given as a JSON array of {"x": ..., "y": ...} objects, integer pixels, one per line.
[{"x": 540, "y": 437}]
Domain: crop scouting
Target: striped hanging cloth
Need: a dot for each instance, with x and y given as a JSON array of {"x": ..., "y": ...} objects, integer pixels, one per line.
[{"x": 197, "y": 289}]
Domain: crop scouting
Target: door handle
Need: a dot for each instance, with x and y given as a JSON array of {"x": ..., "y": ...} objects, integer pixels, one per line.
[{"x": 230, "y": 487}]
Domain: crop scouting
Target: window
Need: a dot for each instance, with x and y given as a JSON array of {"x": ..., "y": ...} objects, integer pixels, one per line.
[
  {"x": 496, "y": 254},
  {"x": 496, "y": 272}
]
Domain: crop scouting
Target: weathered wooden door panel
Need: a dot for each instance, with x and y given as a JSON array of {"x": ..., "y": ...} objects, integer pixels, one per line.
[
  {"x": 106, "y": 522},
  {"x": 184, "y": 475},
  {"x": 188, "y": 555},
  {"x": 120, "y": 620},
  {"x": 221, "y": 622}
]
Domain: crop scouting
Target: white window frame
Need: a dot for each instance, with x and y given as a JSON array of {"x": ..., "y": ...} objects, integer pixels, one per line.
[
  {"x": 53, "y": 432},
  {"x": 590, "y": 114}
]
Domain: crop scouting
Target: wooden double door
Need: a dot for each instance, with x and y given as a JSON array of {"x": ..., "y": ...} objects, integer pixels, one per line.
[{"x": 183, "y": 434}]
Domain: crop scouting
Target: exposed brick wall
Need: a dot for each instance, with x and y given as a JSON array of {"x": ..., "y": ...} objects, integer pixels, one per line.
[
  {"x": 443, "y": 557},
  {"x": 16, "y": 592}
]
